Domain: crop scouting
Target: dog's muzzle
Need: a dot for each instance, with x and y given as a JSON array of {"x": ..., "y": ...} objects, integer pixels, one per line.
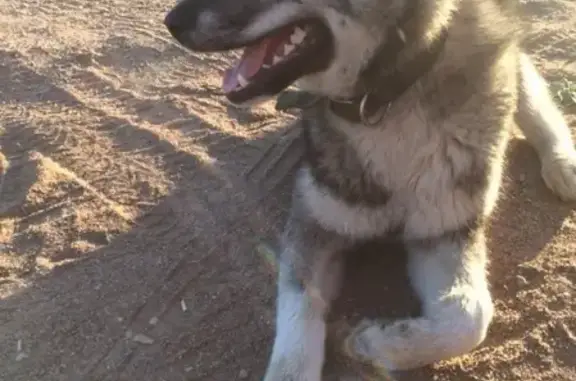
[{"x": 209, "y": 25}]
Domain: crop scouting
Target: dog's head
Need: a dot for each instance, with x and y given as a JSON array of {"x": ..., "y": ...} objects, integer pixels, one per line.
[{"x": 323, "y": 45}]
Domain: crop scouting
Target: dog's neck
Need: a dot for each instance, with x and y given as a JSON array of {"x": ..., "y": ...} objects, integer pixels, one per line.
[{"x": 381, "y": 83}]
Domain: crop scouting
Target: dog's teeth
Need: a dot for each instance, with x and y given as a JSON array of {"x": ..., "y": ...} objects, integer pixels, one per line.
[
  {"x": 265, "y": 66},
  {"x": 276, "y": 60},
  {"x": 242, "y": 81},
  {"x": 297, "y": 36},
  {"x": 288, "y": 48}
]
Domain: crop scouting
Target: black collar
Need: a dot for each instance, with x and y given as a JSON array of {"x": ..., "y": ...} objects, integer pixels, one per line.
[{"x": 381, "y": 87}]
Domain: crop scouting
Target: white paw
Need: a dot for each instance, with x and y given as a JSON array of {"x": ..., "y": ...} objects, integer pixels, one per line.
[
  {"x": 360, "y": 343},
  {"x": 375, "y": 342},
  {"x": 559, "y": 173},
  {"x": 413, "y": 343}
]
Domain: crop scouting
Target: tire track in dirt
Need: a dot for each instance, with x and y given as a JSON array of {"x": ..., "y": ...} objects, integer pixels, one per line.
[
  {"x": 159, "y": 120},
  {"x": 134, "y": 108},
  {"x": 65, "y": 122},
  {"x": 142, "y": 21},
  {"x": 53, "y": 124}
]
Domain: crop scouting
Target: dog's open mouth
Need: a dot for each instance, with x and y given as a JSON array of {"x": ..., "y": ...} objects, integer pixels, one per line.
[
  {"x": 275, "y": 61},
  {"x": 274, "y": 57}
]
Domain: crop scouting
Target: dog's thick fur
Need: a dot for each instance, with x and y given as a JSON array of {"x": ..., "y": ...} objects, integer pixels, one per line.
[{"x": 430, "y": 172}]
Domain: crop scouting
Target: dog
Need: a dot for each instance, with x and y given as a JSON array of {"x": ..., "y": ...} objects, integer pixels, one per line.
[{"x": 416, "y": 102}]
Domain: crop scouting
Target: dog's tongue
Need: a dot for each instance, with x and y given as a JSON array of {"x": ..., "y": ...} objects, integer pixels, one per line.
[{"x": 253, "y": 58}]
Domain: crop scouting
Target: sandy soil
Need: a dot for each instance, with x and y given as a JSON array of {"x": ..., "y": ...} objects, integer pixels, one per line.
[{"x": 127, "y": 236}]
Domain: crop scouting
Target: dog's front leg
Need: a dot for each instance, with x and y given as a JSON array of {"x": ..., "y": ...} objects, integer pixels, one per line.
[
  {"x": 309, "y": 271},
  {"x": 545, "y": 128},
  {"x": 448, "y": 273}
]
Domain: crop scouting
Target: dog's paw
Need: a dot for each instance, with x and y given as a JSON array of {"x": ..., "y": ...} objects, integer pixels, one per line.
[
  {"x": 368, "y": 343},
  {"x": 559, "y": 173},
  {"x": 390, "y": 346},
  {"x": 360, "y": 343}
]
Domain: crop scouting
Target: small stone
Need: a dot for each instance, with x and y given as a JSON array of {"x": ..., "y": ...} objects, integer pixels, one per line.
[
  {"x": 142, "y": 339},
  {"x": 153, "y": 321},
  {"x": 243, "y": 374}
]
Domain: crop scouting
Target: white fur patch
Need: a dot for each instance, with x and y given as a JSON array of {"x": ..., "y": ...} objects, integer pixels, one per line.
[
  {"x": 546, "y": 129},
  {"x": 334, "y": 214},
  {"x": 296, "y": 326},
  {"x": 339, "y": 80},
  {"x": 418, "y": 165},
  {"x": 298, "y": 350}
]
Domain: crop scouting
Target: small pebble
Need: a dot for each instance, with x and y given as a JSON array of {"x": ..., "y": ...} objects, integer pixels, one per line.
[{"x": 142, "y": 339}]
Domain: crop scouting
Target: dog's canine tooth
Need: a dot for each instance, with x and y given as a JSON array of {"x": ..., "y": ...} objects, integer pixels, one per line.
[
  {"x": 288, "y": 48},
  {"x": 297, "y": 36},
  {"x": 242, "y": 81},
  {"x": 276, "y": 60}
]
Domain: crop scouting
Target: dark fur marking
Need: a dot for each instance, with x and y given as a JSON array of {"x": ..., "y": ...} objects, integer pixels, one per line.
[
  {"x": 475, "y": 181},
  {"x": 345, "y": 6},
  {"x": 449, "y": 95},
  {"x": 335, "y": 166},
  {"x": 311, "y": 251},
  {"x": 294, "y": 280}
]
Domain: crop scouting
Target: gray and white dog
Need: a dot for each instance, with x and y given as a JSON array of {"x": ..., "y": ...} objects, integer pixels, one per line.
[{"x": 417, "y": 101}]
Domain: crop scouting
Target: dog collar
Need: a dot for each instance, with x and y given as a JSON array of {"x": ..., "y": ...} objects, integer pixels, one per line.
[
  {"x": 381, "y": 87},
  {"x": 384, "y": 87}
]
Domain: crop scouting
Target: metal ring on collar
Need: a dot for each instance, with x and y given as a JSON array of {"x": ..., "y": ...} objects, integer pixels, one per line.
[{"x": 379, "y": 115}]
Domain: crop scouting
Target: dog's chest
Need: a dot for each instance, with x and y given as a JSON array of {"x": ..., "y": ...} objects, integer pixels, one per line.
[
  {"x": 403, "y": 155},
  {"x": 401, "y": 174}
]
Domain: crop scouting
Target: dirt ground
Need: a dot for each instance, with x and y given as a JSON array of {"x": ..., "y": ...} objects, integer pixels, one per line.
[{"x": 127, "y": 235}]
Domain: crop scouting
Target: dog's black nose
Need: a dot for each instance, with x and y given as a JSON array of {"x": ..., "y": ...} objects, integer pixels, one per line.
[{"x": 182, "y": 19}]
